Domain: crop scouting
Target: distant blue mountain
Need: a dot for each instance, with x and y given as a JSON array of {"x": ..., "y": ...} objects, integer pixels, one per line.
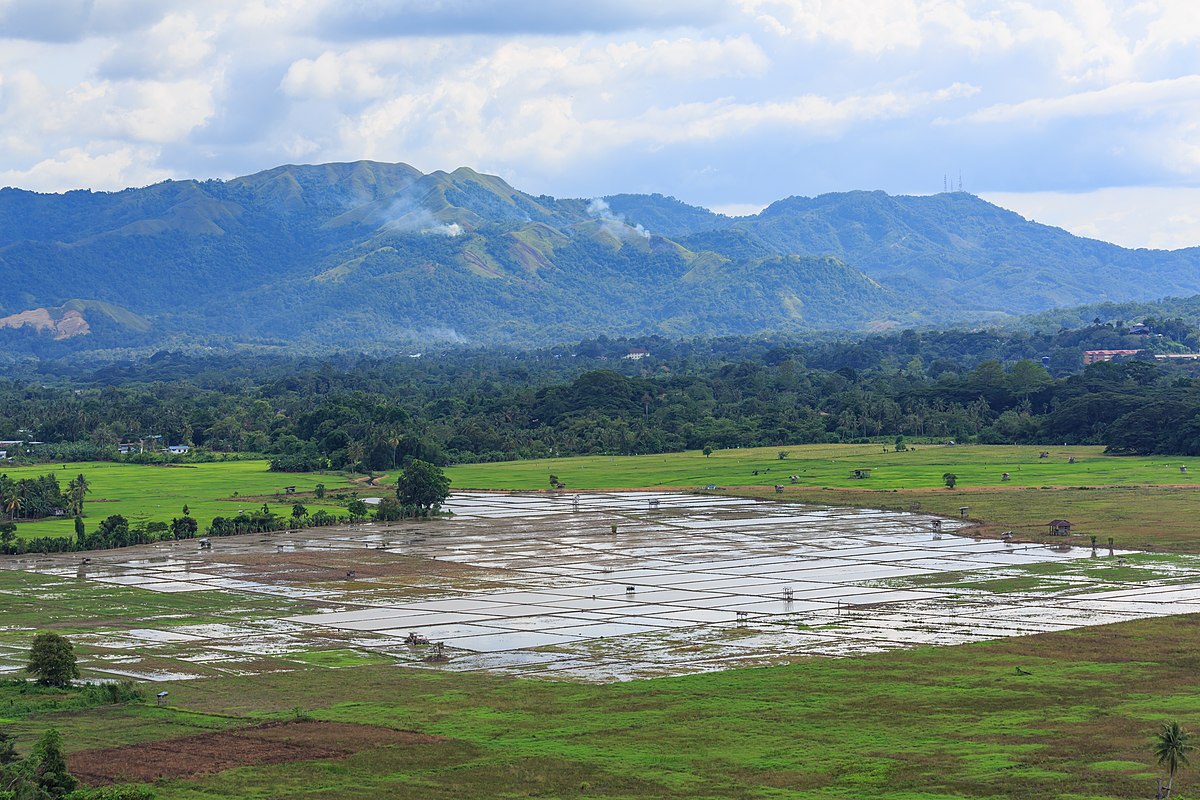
[{"x": 370, "y": 253}]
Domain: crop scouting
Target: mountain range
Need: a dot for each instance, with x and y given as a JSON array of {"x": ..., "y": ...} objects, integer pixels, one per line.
[{"x": 374, "y": 254}]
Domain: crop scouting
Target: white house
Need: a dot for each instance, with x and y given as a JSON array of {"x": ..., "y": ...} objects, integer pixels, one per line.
[{"x": 178, "y": 449}]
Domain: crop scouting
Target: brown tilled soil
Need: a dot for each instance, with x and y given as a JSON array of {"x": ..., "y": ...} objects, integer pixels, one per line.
[
  {"x": 208, "y": 753},
  {"x": 307, "y": 567}
]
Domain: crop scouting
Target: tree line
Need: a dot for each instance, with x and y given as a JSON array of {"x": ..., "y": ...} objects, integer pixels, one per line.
[
  {"x": 421, "y": 489},
  {"x": 378, "y": 413}
]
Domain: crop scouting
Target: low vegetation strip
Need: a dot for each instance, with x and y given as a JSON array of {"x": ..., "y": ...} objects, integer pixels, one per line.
[{"x": 210, "y": 753}]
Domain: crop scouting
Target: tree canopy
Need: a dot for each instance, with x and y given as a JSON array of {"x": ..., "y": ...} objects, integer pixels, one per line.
[
  {"x": 52, "y": 660},
  {"x": 422, "y": 485}
]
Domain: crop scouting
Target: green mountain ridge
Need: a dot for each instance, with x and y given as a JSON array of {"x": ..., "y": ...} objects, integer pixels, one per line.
[{"x": 365, "y": 252}]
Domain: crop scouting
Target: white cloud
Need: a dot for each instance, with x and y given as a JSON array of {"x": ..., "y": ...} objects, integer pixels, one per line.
[
  {"x": 334, "y": 75},
  {"x": 555, "y": 104},
  {"x": 1164, "y": 218},
  {"x": 1122, "y": 98},
  {"x": 875, "y": 27},
  {"x": 738, "y": 209},
  {"x": 176, "y": 46},
  {"x": 71, "y": 168},
  {"x": 722, "y": 101},
  {"x": 691, "y": 60},
  {"x": 154, "y": 111}
]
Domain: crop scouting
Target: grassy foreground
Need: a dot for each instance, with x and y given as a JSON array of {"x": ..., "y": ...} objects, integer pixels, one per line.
[{"x": 928, "y": 723}]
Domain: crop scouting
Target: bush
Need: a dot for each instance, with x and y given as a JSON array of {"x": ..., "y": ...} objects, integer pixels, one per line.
[
  {"x": 112, "y": 692},
  {"x": 298, "y": 463}
]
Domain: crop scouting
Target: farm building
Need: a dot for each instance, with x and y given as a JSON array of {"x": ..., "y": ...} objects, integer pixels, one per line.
[{"x": 1060, "y": 527}]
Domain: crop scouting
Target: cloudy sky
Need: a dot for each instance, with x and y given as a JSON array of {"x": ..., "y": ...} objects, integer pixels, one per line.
[{"x": 1082, "y": 114}]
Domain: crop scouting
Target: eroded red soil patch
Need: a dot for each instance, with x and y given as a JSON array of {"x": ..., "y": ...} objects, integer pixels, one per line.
[{"x": 209, "y": 753}]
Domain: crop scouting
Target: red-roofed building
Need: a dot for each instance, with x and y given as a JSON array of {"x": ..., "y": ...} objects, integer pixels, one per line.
[{"x": 1095, "y": 356}]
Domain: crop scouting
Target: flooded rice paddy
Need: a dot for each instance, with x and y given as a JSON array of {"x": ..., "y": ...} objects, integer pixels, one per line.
[{"x": 540, "y": 585}]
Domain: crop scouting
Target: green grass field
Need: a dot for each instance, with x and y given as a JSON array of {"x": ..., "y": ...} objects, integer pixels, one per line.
[
  {"x": 1142, "y": 502},
  {"x": 1146, "y": 502},
  {"x": 832, "y": 466},
  {"x": 156, "y": 494},
  {"x": 930, "y": 723}
]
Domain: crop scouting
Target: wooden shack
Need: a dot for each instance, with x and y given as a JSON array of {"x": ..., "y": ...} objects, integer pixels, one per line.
[{"x": 1060, "y": 527}]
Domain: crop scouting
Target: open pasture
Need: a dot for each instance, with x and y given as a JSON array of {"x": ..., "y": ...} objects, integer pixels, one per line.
[
  {"x": 155, "y": 493},
  {"x": 833, "y": 465}
]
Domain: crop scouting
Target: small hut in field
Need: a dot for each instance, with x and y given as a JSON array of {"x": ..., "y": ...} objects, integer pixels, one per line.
[{"x": 1060, "y": 527}]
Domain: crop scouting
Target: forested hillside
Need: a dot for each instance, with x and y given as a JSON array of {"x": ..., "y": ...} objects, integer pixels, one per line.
[
  {"x": 365, "y": 413},
  {"x": 375, "y": 255}
]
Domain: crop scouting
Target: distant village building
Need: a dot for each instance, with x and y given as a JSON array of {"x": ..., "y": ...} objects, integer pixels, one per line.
[
  {"x": 1060, "y": 527},
  {"x": 125, "y": 448},
  {"x": 1096, "y": 356},
  {"x": 1139, "y": 329},
  {"x": 178, "y": 449},
  {"x": 636, "y": 354},
  {"x": 1177, "y": 356}
]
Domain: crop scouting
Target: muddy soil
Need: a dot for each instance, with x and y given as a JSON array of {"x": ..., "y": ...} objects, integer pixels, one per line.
[{"x": 209, "y": 753}]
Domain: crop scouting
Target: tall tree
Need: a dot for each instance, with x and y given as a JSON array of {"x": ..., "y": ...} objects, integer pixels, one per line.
[
  {"x": 76, "y": 489},
  {"x": 52, "y": 660},
  {"x": 50, "y": 765},
  {"x": 8, "y": 750},
  {"x": 423, "y": 485}
]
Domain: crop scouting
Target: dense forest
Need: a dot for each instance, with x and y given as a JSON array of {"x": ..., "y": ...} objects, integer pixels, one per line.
[{"x": 616, "y": 396}]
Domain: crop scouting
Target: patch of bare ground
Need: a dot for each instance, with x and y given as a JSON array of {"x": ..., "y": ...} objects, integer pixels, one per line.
[
  {"x": 210, "y": 753},
  {"x": 308, "y": 568}
]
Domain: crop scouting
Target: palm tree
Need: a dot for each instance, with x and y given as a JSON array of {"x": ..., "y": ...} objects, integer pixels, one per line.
[
  {"x": 14, "y": 505},
  {"x": 1171, "y": 746},
  {"x": 76, "y": 489}
]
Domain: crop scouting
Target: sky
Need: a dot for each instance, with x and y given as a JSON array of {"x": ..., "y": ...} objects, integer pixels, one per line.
[{"x": 1082, "y": 114}]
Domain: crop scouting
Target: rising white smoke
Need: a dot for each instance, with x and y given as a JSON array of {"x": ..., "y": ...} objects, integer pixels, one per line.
[{"x": 614, "y": 224}]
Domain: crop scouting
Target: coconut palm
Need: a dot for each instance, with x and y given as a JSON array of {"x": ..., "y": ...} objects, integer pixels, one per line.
[
  {"x": 76, "y": 489},
  {"x": 14, "y": 505},
  {"x": 1171, "y": 746}
]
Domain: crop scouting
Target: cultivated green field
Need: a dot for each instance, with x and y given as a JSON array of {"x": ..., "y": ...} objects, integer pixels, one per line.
[
  {"x": 157, "y": 493},
  {"x": 1147, "y": 502},
  {"x": 1141, "y": 502},
  {"x": 832, "y": 466}
]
